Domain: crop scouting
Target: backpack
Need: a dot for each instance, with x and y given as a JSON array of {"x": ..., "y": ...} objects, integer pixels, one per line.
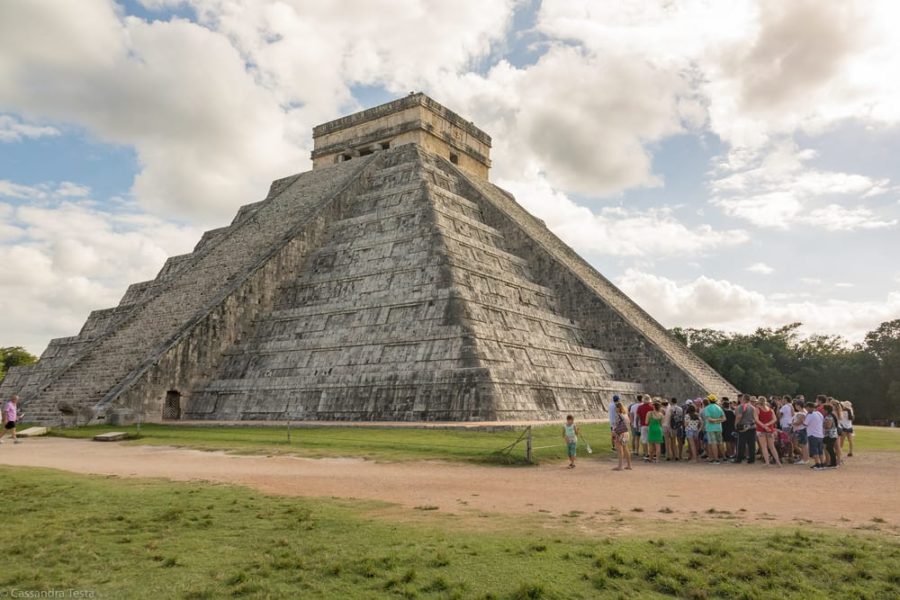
[{"x": 677, "y": 420}]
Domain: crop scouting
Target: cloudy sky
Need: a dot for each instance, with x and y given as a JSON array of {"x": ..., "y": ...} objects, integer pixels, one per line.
[{"x": 728, "y": 164}]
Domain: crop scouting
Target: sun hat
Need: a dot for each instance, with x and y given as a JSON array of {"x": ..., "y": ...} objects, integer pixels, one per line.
[{"x": 712, "y": 398}]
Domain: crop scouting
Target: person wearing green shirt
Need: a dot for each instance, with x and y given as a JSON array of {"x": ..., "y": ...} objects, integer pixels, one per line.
[{"x": 714, "y": 416}]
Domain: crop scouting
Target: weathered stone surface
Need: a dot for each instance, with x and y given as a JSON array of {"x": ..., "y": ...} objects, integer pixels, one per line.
[
  {"x": 112, "y": 436},
  {"x": 32, "y": 432},
  {"x": 395, "y": 286}
]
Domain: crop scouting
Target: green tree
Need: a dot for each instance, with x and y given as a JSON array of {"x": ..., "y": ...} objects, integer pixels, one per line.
[
  {"x": 14, "y": 356},
  {"x": 883, "y": 343}
]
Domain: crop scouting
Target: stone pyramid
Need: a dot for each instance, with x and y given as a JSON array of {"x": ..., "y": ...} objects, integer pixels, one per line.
[{"x": 391, "y": 282}]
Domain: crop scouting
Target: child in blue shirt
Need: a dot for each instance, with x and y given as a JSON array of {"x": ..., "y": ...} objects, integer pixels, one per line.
[{"x": 570, "y": 434}]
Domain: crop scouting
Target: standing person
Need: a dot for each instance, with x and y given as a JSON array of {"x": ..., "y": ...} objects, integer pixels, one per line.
[
  {"x": 10, "y": 415},
  {"x": 830, "y": 429},
  {"x": 654, "y": 431},
  {"x": 570, "y": 434},
  {"x": 799, "y": 437},
  {"x": 635, "y": 423},
  {"x": 836, "y": 413},
  {"x": 691, "y": 431},
  {"x": 786, "y": 415},
  {"x": 815, "y": 435},
  {"x": 765, "y": 432},
  {"x": 728, "y": 432},
  {"x": 702, "y": 403},
  {"x": 745, "y": 422},
  {"x": 613, "y": 417},
  {"x": 714, "y": 417},
  {"x": 643, "y": 410},
  {"x": 821, "y": 400},
  {"x": 663, "y": 408},
  {"x": 621, "y": 437},
  {"x": 845, "y": 423},
  {"x": 667, "y": 430},
  {"x": 675, "y": 436}
]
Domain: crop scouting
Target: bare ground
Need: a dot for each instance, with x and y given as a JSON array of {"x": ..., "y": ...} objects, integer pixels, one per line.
[{"x": 861, "y": 495}]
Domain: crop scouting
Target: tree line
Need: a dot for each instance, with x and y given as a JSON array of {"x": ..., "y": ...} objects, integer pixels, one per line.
[
  {"x": 780, "y": 361},
  {"x": 772, "y": 362}
]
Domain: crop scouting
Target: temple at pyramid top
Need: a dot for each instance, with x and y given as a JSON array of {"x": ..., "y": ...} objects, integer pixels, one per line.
[
  {"x": 415, "y": 119},
  {"x": 391, "y": 282}
]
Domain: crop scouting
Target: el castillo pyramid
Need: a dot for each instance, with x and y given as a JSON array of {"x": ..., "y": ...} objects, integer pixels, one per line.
[{"x": 391, "y": 282}]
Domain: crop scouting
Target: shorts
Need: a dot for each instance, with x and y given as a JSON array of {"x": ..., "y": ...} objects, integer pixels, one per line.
[
  {"x": 714, "y": 437},
  {"x": 10, "y": 425},
  {"x": 816, "y": 446},
  {"x": 764, "y": 434},
  {"x": 800, "y": 436},
  {"x": 847, "y": 430},
  {"x": 645, "y": 432},
  {"x": 571, "y": 447},
  {"x": 691, "y": 434},
  {"x": 787, "y": 429},
  {"x": 624, "y": 438}
]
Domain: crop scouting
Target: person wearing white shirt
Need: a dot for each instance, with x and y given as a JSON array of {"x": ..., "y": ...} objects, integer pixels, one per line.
[
  {"x": 815, "y": 435},
  {"x": 786, "y": 413}
]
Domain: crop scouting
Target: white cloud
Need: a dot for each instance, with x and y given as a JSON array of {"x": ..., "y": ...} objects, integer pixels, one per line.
[
  {"x": 213, "y": 130},
  {"x": 721, "y": 304},
  {"x": 618, "y": 231},
  {"x": 777, "y": 189},
  {"x": 8, "y": 189},
  {"x": 42, "y": 191},
  {"x": 68, "y": 189},
  {"x": 63, "y": 258},
  {"x": 837, "y": 218},
  {"x": 761, "y": 268},
  {"x": 14, "y": 130},
  {"x": 581, "y": 120}
]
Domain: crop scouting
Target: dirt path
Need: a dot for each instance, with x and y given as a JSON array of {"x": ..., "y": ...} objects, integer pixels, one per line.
[{"x": 852, "y": 496}]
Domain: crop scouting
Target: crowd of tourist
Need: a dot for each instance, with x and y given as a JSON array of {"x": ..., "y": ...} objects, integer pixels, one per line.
[{"x": 775, "y": 431}]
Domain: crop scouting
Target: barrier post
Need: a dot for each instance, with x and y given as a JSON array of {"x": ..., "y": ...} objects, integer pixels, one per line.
[{"x": 529, "y": 458}]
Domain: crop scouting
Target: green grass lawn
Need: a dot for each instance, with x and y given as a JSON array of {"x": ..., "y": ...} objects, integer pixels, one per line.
[
  {"x": 403, "y": 444},
  {"x": 880, "y": 439},
  {"x": 150, "y": 539},
  {"x": 372, "y": 443}
]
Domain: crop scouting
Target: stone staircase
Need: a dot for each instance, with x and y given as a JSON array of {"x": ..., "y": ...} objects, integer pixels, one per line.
[{"x": 187, "y": 286}]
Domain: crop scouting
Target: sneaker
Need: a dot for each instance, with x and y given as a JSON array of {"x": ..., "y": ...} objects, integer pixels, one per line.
[
  {"x": 814, "y": 466},
  {"x": 799, "y": 462},
  {"x": 850, "y": 454}
]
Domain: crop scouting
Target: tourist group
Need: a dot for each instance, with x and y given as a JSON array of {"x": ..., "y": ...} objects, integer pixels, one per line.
[{"x": 775, "y": 431}]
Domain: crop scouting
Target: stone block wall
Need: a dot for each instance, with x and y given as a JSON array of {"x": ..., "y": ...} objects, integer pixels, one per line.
[{"x": 641, "y": 349}]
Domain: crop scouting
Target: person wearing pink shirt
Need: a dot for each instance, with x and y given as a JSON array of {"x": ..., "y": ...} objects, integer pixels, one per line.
[{"x": 10, "y": 415}]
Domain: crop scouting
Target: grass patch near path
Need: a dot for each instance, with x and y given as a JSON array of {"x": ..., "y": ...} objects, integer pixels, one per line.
[
  {"x": 132, "y": 538},
  {"x": 371, "y": 443},
  {"x": 403, "y": 444},
  {"x": 875, "y": 439}
]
